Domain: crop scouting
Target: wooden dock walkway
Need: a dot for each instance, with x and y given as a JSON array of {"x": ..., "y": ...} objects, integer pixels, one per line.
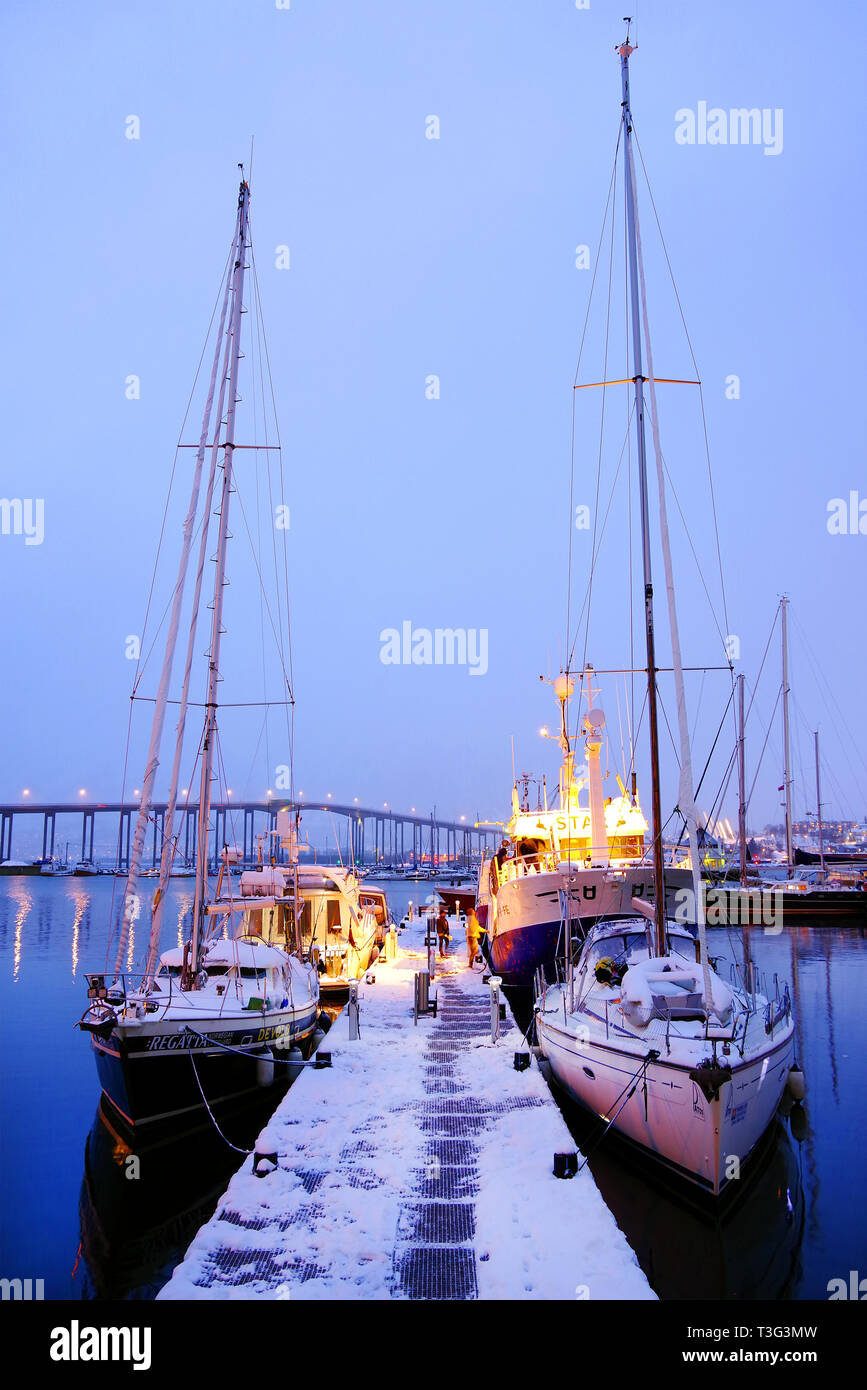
[{"x": 418, "y": 1166}]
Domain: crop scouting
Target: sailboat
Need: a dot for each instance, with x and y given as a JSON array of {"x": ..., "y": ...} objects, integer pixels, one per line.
[
  {"x": 642, "y": 1029},
  {"x": 593, "y": 850},
  {"x": 197, "y": 1031},
  {"x": 811, "y": 893}
]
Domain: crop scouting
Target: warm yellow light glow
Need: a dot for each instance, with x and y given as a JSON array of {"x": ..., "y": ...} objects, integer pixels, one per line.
[
  {"x": 544, "y": 731},
  {"x": 82, "y": 792},
  {"x": 26, "y": 791}
]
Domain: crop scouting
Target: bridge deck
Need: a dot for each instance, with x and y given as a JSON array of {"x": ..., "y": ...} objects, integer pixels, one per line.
[{"x": 418, "y": 1166}]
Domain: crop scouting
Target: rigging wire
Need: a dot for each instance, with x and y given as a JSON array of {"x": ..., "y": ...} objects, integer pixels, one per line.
[{"x": 611, "y": 187}]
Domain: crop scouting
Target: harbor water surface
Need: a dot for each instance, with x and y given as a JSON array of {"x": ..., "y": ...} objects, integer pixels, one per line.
[{"x": 78, "y": 1215}]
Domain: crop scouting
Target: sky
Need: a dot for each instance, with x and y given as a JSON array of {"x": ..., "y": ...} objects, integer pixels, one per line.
[{"x": 441, "y": 504}]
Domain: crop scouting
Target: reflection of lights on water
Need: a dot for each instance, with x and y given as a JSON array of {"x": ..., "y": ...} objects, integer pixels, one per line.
[
  {"x": 82, "y": 902},
  {"x": 184, "y": 904},
  {"x": 25, "y": 901},
  {"x": 135, "y": 913}
]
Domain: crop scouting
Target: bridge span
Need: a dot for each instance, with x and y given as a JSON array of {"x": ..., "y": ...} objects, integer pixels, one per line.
[{"x": 364, "y": 835}]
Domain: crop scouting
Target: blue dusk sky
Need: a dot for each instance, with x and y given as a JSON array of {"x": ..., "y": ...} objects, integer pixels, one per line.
[{"x": 413, "y": 258}]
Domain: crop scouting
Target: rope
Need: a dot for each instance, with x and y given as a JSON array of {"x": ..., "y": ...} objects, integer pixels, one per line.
[{"x": 246, "y": 1152}]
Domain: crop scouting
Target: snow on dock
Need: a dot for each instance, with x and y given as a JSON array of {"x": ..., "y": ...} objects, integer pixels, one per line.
[{"x": 419, "y": 1165}]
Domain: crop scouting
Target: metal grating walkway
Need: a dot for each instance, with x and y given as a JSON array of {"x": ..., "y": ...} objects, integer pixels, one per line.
[{"x": 418, "y": 1166}]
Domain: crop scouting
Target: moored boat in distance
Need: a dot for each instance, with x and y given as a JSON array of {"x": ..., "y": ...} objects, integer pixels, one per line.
[
  {"x": 341, "y": 922},
  {"x": 594, "y": 851}
]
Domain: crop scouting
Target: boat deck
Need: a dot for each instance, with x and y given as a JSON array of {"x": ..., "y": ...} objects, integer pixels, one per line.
[{"x": 418, "y": 1166}]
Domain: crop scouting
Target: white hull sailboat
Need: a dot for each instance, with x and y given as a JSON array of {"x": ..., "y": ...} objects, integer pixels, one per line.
[
  {"x": 641, "y": 1028},
  {"x": 695, "y": 1086}
]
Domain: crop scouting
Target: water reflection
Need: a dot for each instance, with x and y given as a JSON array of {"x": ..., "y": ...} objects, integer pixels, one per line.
[
  {"x": 21, "y": 895},
  {"x": 82, "y": 903},
  {"x": 139, "y": 1210},
  {"x": 689, "y": 1248}
]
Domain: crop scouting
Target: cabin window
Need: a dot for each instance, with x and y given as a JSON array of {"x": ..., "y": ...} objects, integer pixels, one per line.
[
  {"x": 254, "y": 921},
  {"x": 333, "y": 919}
]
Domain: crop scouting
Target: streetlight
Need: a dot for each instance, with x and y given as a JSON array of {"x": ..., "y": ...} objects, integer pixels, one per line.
[
  {"x": 26, "y": 791},
  {"x": 82, "y": 792}
]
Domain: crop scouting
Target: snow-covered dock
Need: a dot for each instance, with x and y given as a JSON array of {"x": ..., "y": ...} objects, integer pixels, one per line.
[{"x": 419, "y": 1165}]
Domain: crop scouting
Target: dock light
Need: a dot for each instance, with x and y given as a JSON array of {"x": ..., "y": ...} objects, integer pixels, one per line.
[
  {"x": 328, "y": 798},
  {"x": 137, "y": 792},
  {"x": 82, "y": 792},
  {"x": 228, "y": 791},
  {"x": 544, "y": 731},
  {"x": 26, "y": 791},
  {"x": 355, "y": 799}
]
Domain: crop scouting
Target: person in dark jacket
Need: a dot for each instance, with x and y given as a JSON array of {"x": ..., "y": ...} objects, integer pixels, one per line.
[{"x": 443, "y": 934}]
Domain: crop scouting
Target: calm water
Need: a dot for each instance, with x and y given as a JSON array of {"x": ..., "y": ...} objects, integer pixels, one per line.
[{"x": 69, "y": 1207}]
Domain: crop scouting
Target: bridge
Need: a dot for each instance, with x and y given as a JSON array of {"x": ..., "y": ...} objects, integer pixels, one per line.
[{"x": 378, "y": 836}]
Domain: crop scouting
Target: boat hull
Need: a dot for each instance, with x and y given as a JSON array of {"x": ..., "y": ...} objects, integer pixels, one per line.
[
  {"x": 149, "y": 1074},
  {"x": 523, "y": 923},
  {"x": 706, "y": 1140},
  {"x": 777, "y": 907}
]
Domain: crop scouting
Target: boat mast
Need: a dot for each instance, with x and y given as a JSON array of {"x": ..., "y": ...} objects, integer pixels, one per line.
[
  {"x": 742, "y": 795},
  {"x": 228, "y": 446},
  {"x": 819, "y": 815},
  {"x": 784, "y": 606},
  {"x": 625, "y": 50}
]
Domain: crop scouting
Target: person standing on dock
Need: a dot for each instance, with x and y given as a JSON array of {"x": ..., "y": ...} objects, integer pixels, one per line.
[
  {"x": 474, "y": 931},
  {"x": 443, "y": 934}
]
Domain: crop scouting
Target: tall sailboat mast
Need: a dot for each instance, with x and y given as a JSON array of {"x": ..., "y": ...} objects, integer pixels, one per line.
[
  {"x": 742, "y": 785},
  {"x": 819, "y": 815},
  {"x": 625, "y": 50},
  {"x": 227, "y": 446},
  {"x": 784, "y": 606}
]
